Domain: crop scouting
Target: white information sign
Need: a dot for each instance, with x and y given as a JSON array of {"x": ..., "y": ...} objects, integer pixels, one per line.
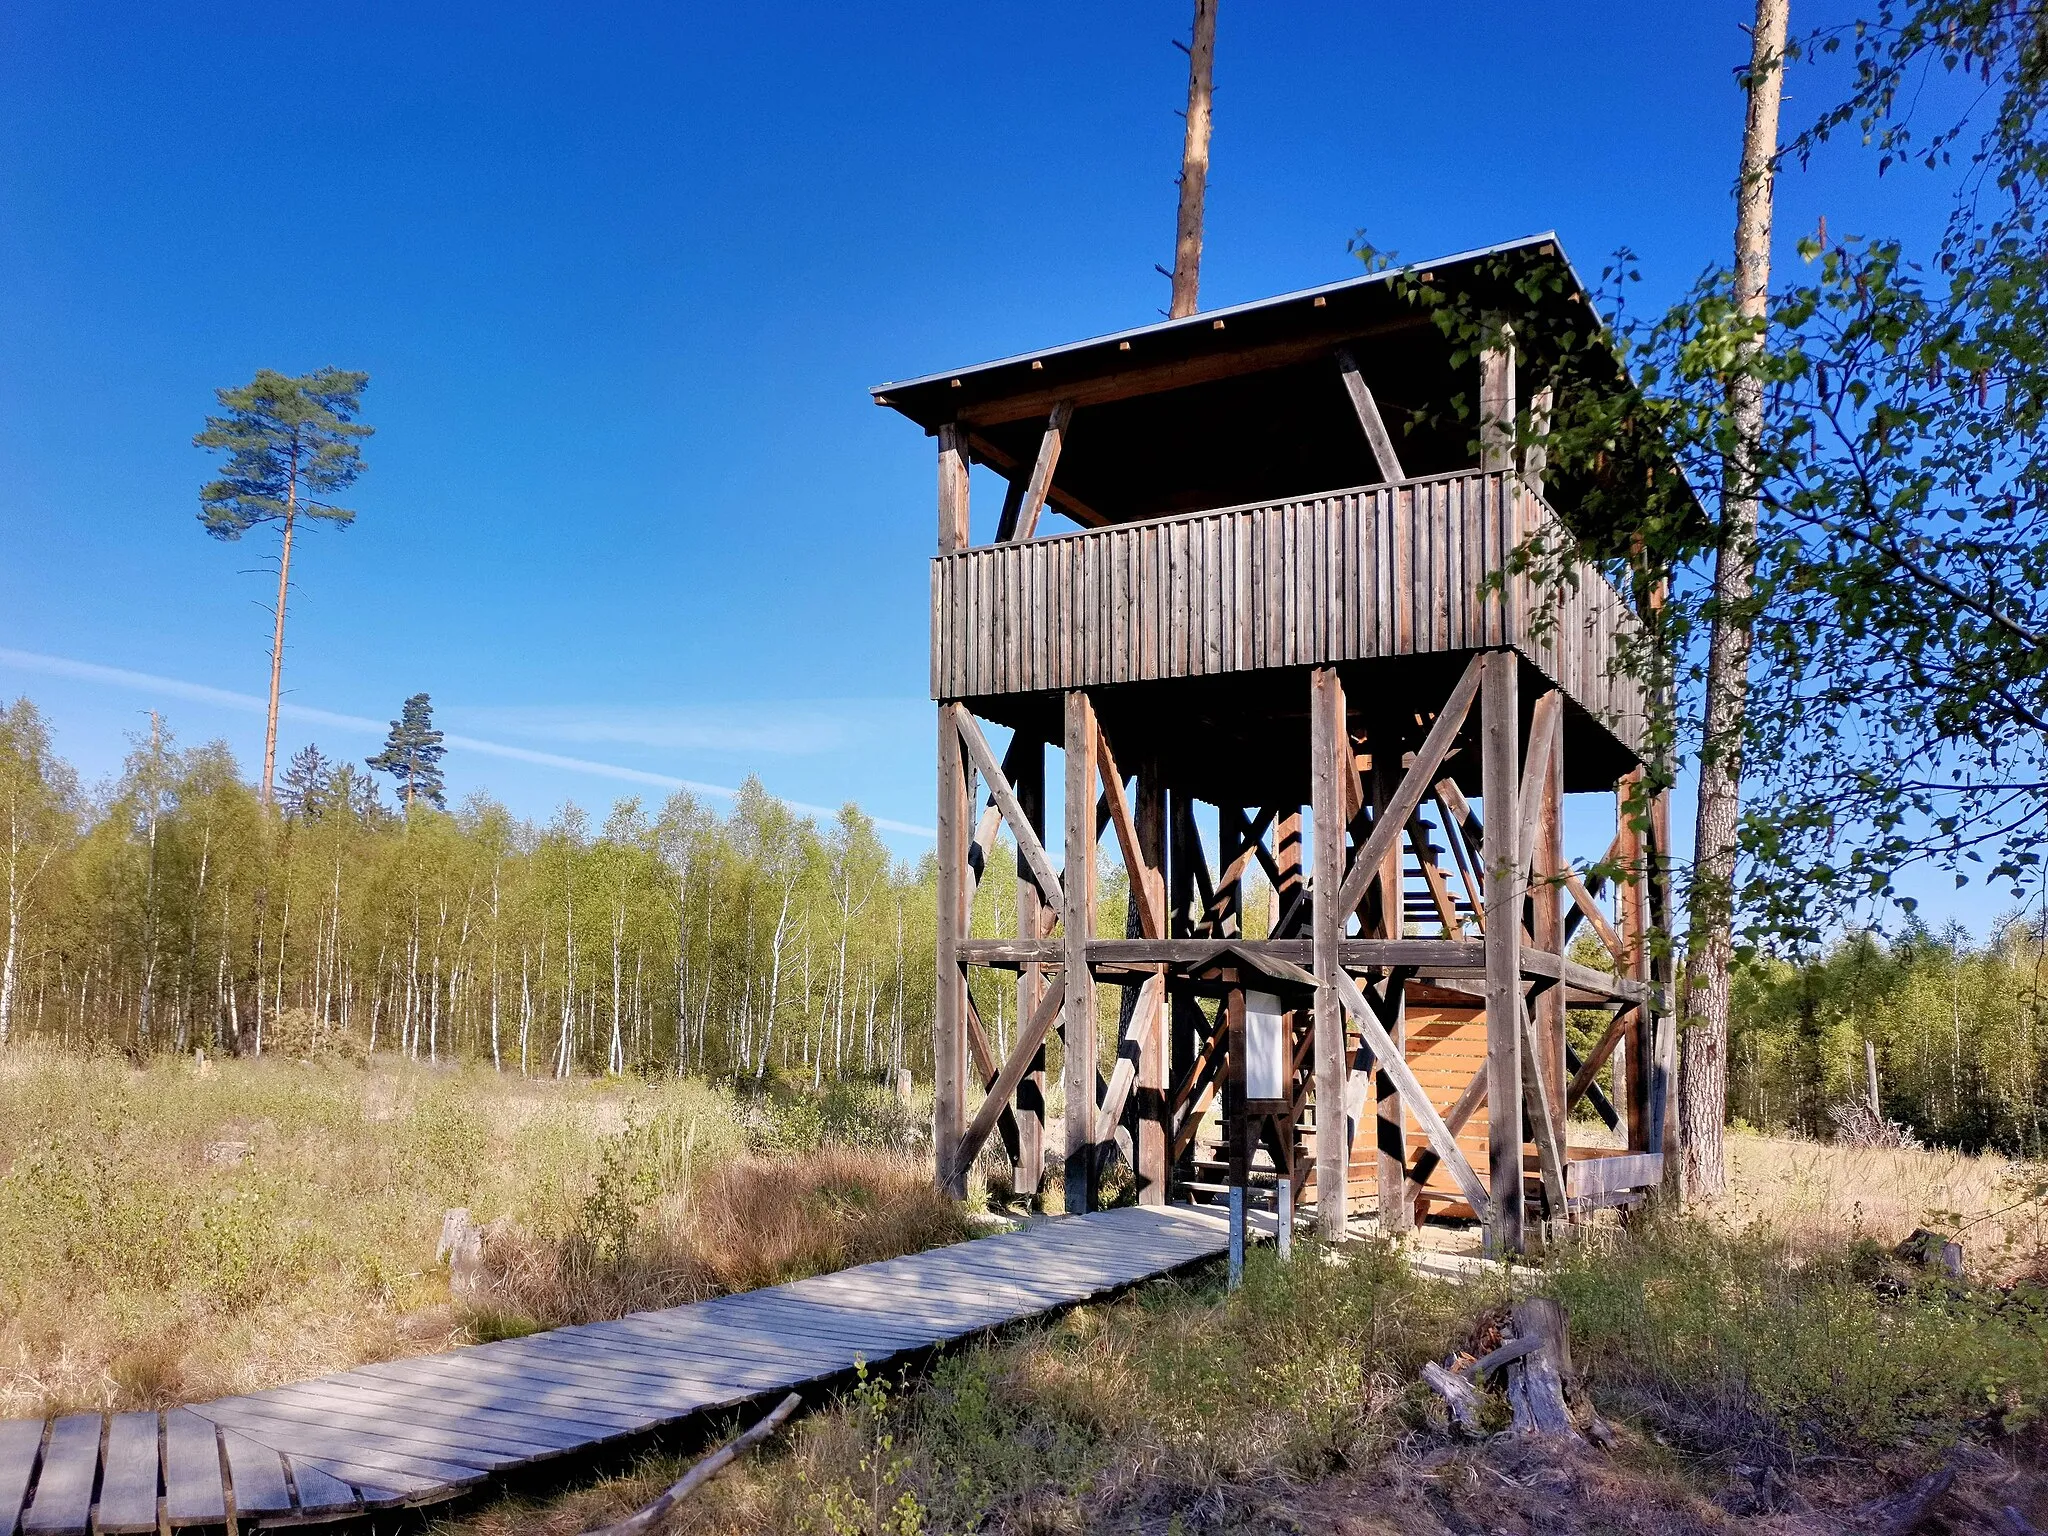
[{"x": 1265, "y": 1047}]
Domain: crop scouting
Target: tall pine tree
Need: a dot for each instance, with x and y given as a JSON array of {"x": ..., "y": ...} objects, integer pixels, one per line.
[
  {"x": 289, "y": 442},
  {"x": 412, "y": 755}
]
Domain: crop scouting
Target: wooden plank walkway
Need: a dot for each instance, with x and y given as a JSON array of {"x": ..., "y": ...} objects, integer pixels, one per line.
[{"x": 417, "y": 1431}]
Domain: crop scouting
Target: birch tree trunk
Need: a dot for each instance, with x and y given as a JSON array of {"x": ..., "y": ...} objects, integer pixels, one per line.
[{"x": 1703, "y": 1083}]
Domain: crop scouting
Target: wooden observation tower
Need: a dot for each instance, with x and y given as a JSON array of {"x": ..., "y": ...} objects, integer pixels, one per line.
[{"x": 1289, "y": 632}]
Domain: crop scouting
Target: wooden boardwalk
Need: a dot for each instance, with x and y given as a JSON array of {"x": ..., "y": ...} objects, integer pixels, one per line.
[{"x": 417, "y": 1431}]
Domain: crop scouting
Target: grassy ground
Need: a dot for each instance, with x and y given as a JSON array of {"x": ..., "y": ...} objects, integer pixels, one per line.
[
  {"x": 1769, "y": 1368},
  {"x": 175, "y": 1232}
]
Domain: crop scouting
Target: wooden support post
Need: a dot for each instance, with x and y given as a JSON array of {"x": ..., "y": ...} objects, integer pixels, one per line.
[
  {"x": 1330, "y": 750},
  {"x": 1185, "y": 1017},
  {"x": 1029, "y": 782},
  {"x": 1077, "y": 879},
  {"x": 949, "y": 1021},
  {"x": 955, "y": 881},
  {"x": 1633, "y": 1056},
  {"x": 1664, "y": 1073},
  {"x": 1497, "y": 409},
  {"x": 1149, "y": 1135},
  {"x": 1500, "y": 728},
  {"x": 953, "y": 467},
  {"x": 1547, "y": 926},
  {"x": 1396, "y": 1211}
]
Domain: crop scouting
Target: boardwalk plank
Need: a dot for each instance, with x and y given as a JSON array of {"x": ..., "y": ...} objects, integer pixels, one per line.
[
  {"x": 578, "y": 1402},
  {"x": 377, "y": 1487},
  {"x": 287, "y": 1428},
  {"x": 801, "y": 1360},
  {"x": 128, "y": 1478},
  {"x": 640, "y": 1363},
  {"x": 257, "y": 1473},
  {"x": 20, "y": 1442},
  {"x": 609, "y": 1386},
  {"x": 413, "y": 1431},
  {"x": 193, "y": 1492},
  {"x": 733, "y": 1360},
  {"x": 320, "y": 1493},
  {"x": 377, "y": 1459},
  {"x": 62, "y": 1504},
  {"x": 402, "y": 1401},
  {"x": 467, "y": 1432},
  {"x": 596, "y": 1422}
]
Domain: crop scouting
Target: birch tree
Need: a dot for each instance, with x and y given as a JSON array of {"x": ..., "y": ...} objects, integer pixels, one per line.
[{"x": 38, "y": 810}]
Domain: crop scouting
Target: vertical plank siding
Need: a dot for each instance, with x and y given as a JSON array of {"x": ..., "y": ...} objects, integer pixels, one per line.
[{"x": 1388, "y": 570}]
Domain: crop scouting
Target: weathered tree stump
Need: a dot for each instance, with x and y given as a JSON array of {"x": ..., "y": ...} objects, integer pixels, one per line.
[
  {"x": 462, "y": 1250},
  {"x": 1929, "y": 1249},
  {"x": 1536, "y": 1381}
]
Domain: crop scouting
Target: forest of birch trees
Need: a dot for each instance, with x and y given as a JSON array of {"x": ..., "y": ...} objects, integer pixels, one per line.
[{"x": 169, "y": 910}]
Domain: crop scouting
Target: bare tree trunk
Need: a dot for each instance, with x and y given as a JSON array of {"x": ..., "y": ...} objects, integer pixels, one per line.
[
  {"x": 284, "y": 577},
  {"x": 1194, "y": 162},
  {"x": 1703, "y": 1087},
  {"x": 615, "y": 1056},
  {"x": 775, "y": 975}
]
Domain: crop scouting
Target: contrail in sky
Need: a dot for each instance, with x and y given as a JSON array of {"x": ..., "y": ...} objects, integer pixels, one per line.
[{"x": 224, "y": 698}]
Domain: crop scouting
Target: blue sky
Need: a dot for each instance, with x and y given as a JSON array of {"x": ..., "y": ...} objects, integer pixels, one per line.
[{"x": 621, "y": 276}]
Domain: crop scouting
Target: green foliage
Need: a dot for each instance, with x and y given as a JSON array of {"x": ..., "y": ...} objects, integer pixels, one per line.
[
  {"x": 873, "y": 1499},
  {"x": 289, "y": 441},
  {"x": 1727, "y": 1342},
  {"x": 412, "y": 755},
  {"x": 1959, "y": 1031},
  {"x": 38, "y": 823},
  {"x": 756, "y": 944},
  {"x": 847, "y": 1113}
]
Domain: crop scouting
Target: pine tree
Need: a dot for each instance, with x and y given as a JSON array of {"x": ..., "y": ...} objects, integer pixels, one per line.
[
  {"x": 288, "y": 441},
  {"x": 307, "y": 779},
  {"x": 412, "y": 754}
]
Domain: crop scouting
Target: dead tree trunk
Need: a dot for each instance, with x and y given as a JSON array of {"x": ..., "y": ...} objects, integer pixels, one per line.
[
  {"x": 1703, "y": 1088},
  {"x": 1194, "y": 162}
]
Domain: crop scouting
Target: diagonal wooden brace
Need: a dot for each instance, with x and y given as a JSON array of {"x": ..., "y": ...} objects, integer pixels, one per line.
[
  {"x": 1448, "y": 1152},
  {"x": 1392, "y": 819},
  {"x": 1536, "y": 1103},
  {"x": 1004, "y": 1088},
  {"x": 1604, "y": 1048},
  {"x": 1032, "y": 502},
  {"x": 1028, "y": 845},
  {"x": 1150, "y": 999},
  {"x": 1151, "y": 921},
  {"x": 1543, "y": 728}
]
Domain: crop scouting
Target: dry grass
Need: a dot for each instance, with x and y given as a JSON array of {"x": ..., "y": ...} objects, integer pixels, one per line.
[
  {"x": 739, "y": 1224},
  {"x": 1816, "y": 1197},
  {"x": 171, "y": 1232}
]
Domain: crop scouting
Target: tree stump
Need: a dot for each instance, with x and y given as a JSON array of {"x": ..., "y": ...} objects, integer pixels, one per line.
[
  {"x": 462, "y": 1250},
  {"x": 1537, "y": 1380}
]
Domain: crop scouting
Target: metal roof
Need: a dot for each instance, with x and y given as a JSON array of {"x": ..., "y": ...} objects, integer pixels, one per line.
[{"x": 1206, "y": 319}]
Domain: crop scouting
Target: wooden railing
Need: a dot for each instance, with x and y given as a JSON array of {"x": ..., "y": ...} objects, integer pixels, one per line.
[{"x": 1386, "y": 570}]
